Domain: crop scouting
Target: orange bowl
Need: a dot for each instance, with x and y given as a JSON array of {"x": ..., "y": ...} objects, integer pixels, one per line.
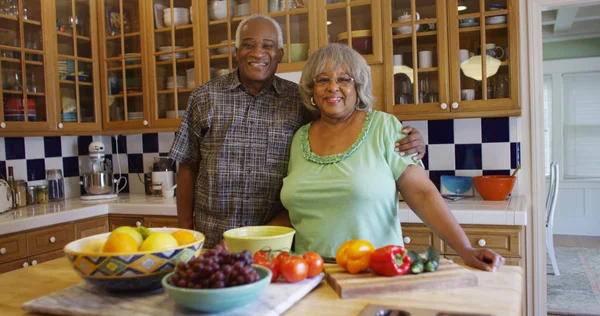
[{"x": 494, "y": 188}]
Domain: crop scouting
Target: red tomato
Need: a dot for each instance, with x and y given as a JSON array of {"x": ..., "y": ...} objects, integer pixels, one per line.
[
  {"x": 315, "y": 263},
  {"x": 262, "y": 258},
  {"x": 261, "y": 254},
  {"x": 283, "y": 255},
  {"x": 294, "y": 269}
]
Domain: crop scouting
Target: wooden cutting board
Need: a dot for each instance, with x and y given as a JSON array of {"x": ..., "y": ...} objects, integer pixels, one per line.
[{"x": 449, "y": 275}]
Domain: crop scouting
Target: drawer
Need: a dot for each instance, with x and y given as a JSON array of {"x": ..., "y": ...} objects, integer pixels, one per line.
[
  {"x": 47, "y": 256},
  {"x": 12, "y": 265},
  {"x": 48, "y": 239},
  {"x": 90, "y": 227},
  {"x": 13, "y": 247},
  {"x": 509, "y": 261},
  {"x": 419, "y": 238},
  {"x": 118, "y": 221},
  {"x": 503, "y": 240},
  {"x": 161, "y": 221}
]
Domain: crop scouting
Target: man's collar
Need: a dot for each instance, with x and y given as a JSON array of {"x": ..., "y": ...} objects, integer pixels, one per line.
[{"x": 234, "y": 82}]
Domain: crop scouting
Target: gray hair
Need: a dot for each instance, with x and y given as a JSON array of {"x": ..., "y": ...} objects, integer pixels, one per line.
[
  {"x": 337, "y": 55},
  {"x": 238, "y": 32}
]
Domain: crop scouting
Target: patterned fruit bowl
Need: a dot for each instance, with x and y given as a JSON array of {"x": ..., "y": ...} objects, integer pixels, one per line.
[{"x": 132, "y": 271}]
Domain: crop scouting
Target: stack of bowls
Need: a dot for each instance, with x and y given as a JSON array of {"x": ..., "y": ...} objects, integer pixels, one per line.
[
  {"x": 181, "y": 82},
  {"x": 134, "y": 116},
  {"x": 181, "y": 16},
  {"x": 217, "y": 9},
  {"x": 68, "y": 117},
  {"x": 170, "y": 56}
]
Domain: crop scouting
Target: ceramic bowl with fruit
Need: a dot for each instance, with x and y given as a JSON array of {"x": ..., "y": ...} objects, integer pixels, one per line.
[
  {"x": 255, "y": 238},
  {"x": 132, "y": 259},
  {"x": 217, "y": 281}
]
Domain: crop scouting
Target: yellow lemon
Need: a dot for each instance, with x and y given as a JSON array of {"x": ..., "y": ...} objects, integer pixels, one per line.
[
  {"x": 183, "y": 237},
  {"x": 159, "y": 241},
  {"x": 94, "y": 246},
  {"x": 120, "y": 242},
  {"x": 131, "y": 232}
]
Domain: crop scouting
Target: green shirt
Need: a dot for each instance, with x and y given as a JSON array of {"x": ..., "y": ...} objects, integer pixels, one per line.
[{"x": 351, "y": 195}]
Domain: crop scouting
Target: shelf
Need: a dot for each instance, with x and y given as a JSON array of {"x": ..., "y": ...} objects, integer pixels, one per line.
[
  {"x": 428, "y": 33},
  {"x": 430, "y": 69},
  {"x": 83, "y": 38},
  {"x": 32, "y": 62},
  {"x": 10, "y": 60},
  {"x": 178, "y": 27},
  {"x": 186, "y": 90},
  {"x": 8, "y": 17},
  {"x": 69, "y": 57},
  {"x": 36, "y": 94},
  {"x": 495, "y": 12},
  {"x": 281, "y": 13},
  {"x": 71, "y": 82},
  {"x": 469, "y": 29},
  {"x": 220, "y": 56},
  {"x": 504, "y": 63},
  {"x": 185, "y": 60},
  {"x": 496, "y": 26},
  {"x": 216, "y": 22},
  {"x": 118, "y": 36},
  {"x": 138, "y": 66},
  {"x": 168, "y": 91},
  {"x": 33, "y": 22},
  {"x": 64, "y": 34},
  {"x": 12, "y": 91},
  {"x": 135, "y": 94}
]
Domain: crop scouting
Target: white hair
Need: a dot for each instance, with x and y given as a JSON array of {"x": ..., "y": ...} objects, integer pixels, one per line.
[{"x": 238, "y": 32}]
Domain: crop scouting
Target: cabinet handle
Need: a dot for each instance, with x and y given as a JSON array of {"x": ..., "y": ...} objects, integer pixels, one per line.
[
  {"x": 443, "y": 106},
  {"x": 34, "y": 262},
  {"x": 3, "y": 125},
  {"x": 145, "y": 123},
  {"x": 138, "y": 223},
  {"x": 481, "y": 242},
  {"x": 2, "y": 251},
  {"x": 52, "y": 239},
  {"x": 25, "y": 264},
  {"x": 60, "y": 125},
  {"x": 407, "y": 240},
  {"x": 454, "y": 105}
]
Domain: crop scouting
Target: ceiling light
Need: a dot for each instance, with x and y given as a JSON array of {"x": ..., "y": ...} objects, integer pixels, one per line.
[{"x": 462, "y": 8}]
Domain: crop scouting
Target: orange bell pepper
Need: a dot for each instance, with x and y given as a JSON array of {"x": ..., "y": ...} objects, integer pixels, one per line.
[{"x": 354, "y": 255}]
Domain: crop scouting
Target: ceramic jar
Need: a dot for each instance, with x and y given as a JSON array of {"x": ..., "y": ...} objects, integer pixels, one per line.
[{"x": 217, "y": 9}]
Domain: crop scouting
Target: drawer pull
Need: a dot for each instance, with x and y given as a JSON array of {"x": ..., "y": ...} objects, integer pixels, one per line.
[
  {"x": 2, "y": 251},
  {"x": 481, "y": 242},
  {"x": 52, "y": 239},
  {"x": 407, "y": 240},
  {"x": 25, "y": 264},
  {"x": 34, "y": 262},
  {"x": 138, "y": 223}
]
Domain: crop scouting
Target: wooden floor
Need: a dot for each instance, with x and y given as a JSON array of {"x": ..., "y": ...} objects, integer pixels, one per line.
[{"x": 577, "y": 241}]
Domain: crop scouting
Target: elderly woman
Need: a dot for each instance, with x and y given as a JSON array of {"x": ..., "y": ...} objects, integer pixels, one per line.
[{"x": 344, "y": 176}]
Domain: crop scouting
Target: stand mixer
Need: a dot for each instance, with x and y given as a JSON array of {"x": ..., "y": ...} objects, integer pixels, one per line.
[{"x": 98, "y": 181}]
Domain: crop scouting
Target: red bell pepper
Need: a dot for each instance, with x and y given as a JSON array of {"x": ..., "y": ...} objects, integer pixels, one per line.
[{"x": 390, "y": 261}]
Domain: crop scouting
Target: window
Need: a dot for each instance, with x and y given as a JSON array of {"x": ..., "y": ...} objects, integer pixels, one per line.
[
  {"x": 547, "y": 123},
  {"x": 581, "y": 125}
]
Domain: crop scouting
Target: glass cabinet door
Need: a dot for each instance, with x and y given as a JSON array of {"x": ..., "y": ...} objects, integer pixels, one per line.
[
  {"x": 352, "y": 22},
  {"x": 173, "y": 62},
  {"x": 294, "y": 18},
  {"x": 122, "y": 52},
  {"x": 416, "y": 58},
  {"x": 77, "y": 99},
  {"x": 22, "y": 68},
  {"x": 481, "y": 47}
]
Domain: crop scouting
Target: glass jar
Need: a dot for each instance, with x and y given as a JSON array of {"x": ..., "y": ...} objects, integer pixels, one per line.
[
  {"x": 20, "y": 193},
  {"x": 157, "y": 188},
  {"x": 31, "y": 195},
  {"x": 56, "y": 185},
  {"x": 41, "y": 194}
]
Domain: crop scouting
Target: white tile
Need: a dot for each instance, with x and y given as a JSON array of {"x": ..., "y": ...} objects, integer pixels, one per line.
[
  {"x": 69, "y": 146},
  {"x": 469, "y": 173},
  {"x": 421, "y": 126},
  {"x": 72, "y": 187},
  {"x": 120, "y": 160},
  {"x": 513, "y": 129},
  {"x": 134, "y": 144},
  {"x": 107, "y": 141},
  {"x": 489, "y": 217},
  {"x": 54, "y": 163},
  {"x": 495, "y": 156},
  {"x": 2, "y": 149},
  {"x": 34, "y": 147},
  {"x": 148, "y": 159},
  {"x": 19, "y": 168},
  {"x": 165, "y": 140},
  {"x": 135, "y": 183},
  {"x": 441, "y": 157},
  {"x": 467, "y": 131}
]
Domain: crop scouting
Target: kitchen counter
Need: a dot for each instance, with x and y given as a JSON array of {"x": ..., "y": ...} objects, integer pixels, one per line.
[
  {"x": 498, "y": 293},
  {"x": 512, "y": 211}
]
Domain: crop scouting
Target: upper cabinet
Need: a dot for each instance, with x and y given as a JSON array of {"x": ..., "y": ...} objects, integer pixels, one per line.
[
  {"x": 25, "y": 103},
  {"x": 123, "y": 41},
  {"x": 451, "y": 59},
  {"x": 77, "y": 80}
]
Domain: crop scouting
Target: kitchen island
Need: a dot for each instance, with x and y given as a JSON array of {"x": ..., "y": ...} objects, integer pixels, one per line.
[{"x": 498, "y": 293}]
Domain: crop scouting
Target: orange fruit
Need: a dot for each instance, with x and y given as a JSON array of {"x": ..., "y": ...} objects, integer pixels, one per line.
[
  {"x": 120, "y": 242},
  {"x": 183, "y": 237}
]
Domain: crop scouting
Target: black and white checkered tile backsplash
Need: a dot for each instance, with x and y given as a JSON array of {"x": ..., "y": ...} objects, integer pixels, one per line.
[{"x": 465, "y": 147}]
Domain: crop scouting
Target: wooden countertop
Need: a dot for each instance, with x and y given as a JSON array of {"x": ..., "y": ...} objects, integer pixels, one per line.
[{"x": 498, "y": 293}]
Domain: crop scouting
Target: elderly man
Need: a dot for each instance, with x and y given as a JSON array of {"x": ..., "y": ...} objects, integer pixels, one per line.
[{"x": 234, "y": 140}]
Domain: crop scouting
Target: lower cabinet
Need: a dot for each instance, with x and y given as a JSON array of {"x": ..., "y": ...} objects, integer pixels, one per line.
[
  {"x": 90, "y": 227},
  {"x": 146, "y": 221}
]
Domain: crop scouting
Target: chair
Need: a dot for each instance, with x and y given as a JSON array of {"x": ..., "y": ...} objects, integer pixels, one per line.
[{"x": 550, "y": 207}]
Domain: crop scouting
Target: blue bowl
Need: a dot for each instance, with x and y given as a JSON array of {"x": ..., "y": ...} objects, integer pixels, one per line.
[{"x": 219, "y": 300}]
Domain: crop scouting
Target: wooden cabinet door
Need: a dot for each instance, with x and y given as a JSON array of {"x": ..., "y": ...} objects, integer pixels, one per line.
[
  {"x": 91, "y": 227},
  {"x": 161, "y": 221},
  {"x": 13, "y": 265},
  {"x": 117, "y": 221},
  {"x": 418, "y": 237},
  {"x": 48, "y": 239},
  {"x": 13, "y": 247},
  {"x": 503, "y": 240},
  {"x": 47, "y": 256}
]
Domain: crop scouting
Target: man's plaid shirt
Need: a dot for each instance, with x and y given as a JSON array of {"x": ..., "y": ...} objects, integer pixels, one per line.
[{"x": 241, "y": 145}]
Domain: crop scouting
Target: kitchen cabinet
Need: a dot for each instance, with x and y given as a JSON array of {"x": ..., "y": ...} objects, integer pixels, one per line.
[
  {"x": 146, "y": 221},
  {"x": 13, "y": 247},
  {"x": 418, "y": 237},
  {"x": 77, "y": 78},
  {"x": 433, "y": 58},
  {"x": 122, "y": 38},
  {"x": 161, "y": 221},
  {"x": 49, "y": 239},
  {"x": 124, "y": 220},
  {"x": 26, "y": 102},
  {"x": 90, "y": 227}
]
